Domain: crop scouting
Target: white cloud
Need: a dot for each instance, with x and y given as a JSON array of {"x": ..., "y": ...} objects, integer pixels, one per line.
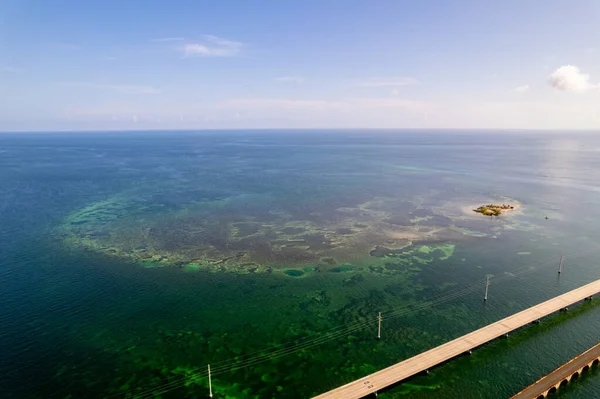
[
  {"x": 193, "y": 49},
  {"x": 522, "y": 89},
  {"x": 395, "y": 92},
  {"x": 389, "y": 82},
  {"x": 122, "y": 89},
  {"x": 212, "y": 46},
  {"x": 570, "y": 78},
  {"x": 290, "y": 79},
  {"x": 223, "y": 42}
]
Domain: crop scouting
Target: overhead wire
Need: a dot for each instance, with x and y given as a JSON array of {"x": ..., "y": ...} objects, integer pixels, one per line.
[
  {"x": 327, "y": 336},
  {"x": 304, "y": 343}
]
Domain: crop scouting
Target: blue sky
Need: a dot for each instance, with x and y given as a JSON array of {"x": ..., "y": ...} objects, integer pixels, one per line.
[{"x": 93, "y": 65}]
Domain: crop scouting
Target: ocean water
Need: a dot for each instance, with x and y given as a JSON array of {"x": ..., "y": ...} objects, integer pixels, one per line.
[{"x": 132, "y": 260}]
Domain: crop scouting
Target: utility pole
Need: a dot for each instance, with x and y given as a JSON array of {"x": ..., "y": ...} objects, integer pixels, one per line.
[
  {"x": 379, "y": 326},
  {"x": 209, "y": 383},
  {"x": 487, "y": 286},
  {"x": 560, "y": 264}
]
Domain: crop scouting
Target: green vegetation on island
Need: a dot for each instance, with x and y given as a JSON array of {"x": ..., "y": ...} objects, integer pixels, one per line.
[{"x": 493, "y": 210}]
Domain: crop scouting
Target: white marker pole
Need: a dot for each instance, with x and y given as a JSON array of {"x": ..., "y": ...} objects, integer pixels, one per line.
[
  {"x": 487, "y": 285},
  {"x": 560, "y": 265},
  {"x": 379, "y": 326},
  {"x": 209, "y": 383}
]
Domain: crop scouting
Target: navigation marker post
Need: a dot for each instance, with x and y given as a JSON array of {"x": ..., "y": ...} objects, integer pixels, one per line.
[
  {"x": 560, "y": 264},
  {"x": 487, "y": 286},
  {"x": 379, "y": 326},
  {"x": 209, "y": 383}
]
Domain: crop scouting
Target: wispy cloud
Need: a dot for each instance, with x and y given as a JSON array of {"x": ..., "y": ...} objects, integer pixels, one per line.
[
  {"x": 195, "y": 49},
  {"x": 389, "y": 82},
  {"x": 222, "y": 42},
  {"x": 121, "y": 89},
  {"x": 388, "y": 103},
  {"x": 570, "y": 78},
  {"x": 212, "y": 46},
  {"x": 522, "y": 89},
  {"x": 350, "y": 104},
  {"x": 290, "y": 79},
  {"x": 280, "y": 103},
  {"x": 168, "y": 39}
]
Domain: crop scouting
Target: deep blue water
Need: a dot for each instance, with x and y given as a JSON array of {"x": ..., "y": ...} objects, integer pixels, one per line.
[{"x": 78, "y": 322}]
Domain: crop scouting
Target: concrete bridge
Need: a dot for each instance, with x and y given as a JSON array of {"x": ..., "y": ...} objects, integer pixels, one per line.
[
  {"x": 562, "y": 375},
  {"x": 421, "y": 363}
]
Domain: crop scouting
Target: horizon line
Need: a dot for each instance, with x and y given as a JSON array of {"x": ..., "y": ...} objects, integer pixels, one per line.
[{"x": 470, "y": 129}]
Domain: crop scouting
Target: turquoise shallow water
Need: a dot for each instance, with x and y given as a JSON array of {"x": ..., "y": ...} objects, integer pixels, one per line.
[{"x": 107, "y": 290}]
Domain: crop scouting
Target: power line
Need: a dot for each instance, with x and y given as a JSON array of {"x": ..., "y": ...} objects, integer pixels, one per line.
[{"x": 304, "y": 343}]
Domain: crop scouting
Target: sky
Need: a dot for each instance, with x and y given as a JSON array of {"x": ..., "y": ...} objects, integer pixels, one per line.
[{"x": 233, "y": 64}]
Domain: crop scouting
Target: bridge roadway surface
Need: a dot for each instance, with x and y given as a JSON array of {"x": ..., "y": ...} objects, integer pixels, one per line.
[
  {"x": 426, "y": 360},
  {"x": 543, "y": 385}
]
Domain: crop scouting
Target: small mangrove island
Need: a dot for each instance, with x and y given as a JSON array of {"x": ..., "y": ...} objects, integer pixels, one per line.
[{"x": 493, "y": 210}]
